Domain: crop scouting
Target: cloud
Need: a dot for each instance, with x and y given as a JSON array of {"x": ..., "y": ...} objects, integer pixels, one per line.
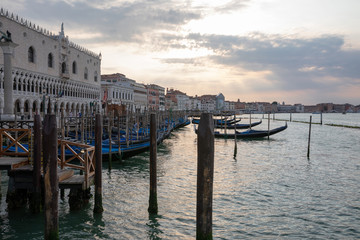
[
  {"x": 232, "y": 6},
  {"x": 255, "y": 62},
  {"x": 116, "y": 21},
  {"x": 295, "y": 63}
]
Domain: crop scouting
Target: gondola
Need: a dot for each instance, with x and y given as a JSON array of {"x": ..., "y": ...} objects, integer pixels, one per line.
[
  {"x": 238, "y": 125},
  {"x": 218, "y": 121},
  {"x": 249, "y": 134}
]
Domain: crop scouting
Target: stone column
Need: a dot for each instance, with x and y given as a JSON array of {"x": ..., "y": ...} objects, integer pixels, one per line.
[{"x": 8, "y": 51}]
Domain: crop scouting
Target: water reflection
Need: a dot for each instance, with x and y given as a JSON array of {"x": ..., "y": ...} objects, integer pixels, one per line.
[{"x": 154, "y": 231}]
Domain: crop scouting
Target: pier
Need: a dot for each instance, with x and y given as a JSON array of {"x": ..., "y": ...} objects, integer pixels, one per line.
[{"x": 23, "y": 148}]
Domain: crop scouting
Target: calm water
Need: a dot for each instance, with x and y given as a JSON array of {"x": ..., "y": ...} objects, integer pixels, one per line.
[{"x": 270, "y": 190}]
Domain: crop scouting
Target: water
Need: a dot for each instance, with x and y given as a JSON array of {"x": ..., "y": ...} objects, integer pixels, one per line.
[{"x": 270, "y": 190}]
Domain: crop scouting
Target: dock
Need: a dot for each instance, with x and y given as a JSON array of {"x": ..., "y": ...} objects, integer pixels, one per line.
[{"x": 22, "y": 158}]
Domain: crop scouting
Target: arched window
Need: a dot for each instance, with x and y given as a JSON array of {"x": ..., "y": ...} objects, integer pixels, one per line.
[
  {"x": 31, "y": 55},
  {"x": 63, "y": 67},
  {"x": 95, "y": 76},
  {"x": 86, "y": 73},
  {"x": 74, "y": 69},
  {"x": 50, "y": 60}
]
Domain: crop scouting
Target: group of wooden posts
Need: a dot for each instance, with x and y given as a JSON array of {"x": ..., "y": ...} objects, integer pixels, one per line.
[
  {"x": 46, "y": 193},
  {"x": 49, "y": 146},
  {"x": 205, "y": 175}
]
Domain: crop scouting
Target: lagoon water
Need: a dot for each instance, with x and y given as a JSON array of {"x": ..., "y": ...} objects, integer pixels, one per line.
[{"x": 269, "y": 190}]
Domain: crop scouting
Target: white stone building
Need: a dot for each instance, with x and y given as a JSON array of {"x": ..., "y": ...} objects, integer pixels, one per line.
[
  {"x": 118, "y": 89},
  {"x": 140, "y": 97},
  {"x": 208, "y": 105},
  {"x": 48, "y": 67},
  {"x": 195, "y": 103},
  {"x": 183, "y": 102}
]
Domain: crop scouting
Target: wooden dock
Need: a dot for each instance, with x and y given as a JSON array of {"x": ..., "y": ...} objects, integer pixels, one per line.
[
  {"x": 11, "y": 163},
  {"x": 15, "y": 157}
]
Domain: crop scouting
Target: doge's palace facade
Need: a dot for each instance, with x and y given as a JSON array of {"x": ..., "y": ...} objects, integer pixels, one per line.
[{"x": 48, "y": 68}]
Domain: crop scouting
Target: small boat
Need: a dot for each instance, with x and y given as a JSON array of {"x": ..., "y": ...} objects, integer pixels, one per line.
[
  {"x": 218, "y": 121},
  {"x": 250, "y": 133},
  {"x": 239, "y": 125}
]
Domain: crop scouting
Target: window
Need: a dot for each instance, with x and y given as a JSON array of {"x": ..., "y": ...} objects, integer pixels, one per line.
[
  {"x": 63, "y": 67},
  {"x": 74, "y": 70},
  {"x": 50, "y": 60},
  {"x": 31, "y": 55},
  {"x": 86, "y": 73},
  {"x": 95, "y": 76}
]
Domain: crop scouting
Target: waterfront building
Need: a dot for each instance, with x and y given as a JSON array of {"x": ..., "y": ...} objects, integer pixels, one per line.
[
  {"x": 195, "y": 103},
  {"x": 299, "y": 108},
  {"x": 240, "y": 106},
  {"x": 177, "y": 100},
  {"x": 229, "y": 106},
  {"x": 208, "y": 103},
  {"x": 183, "y": 102},
  {"x": 48, "y": 70},
  {"x": 285, "y": 108},
  {"x": 140, "y": 97},
  {"x": 156, "y": 97},
  {"x": 220, "y": 102},
  {"x": 117, "y": 89}
]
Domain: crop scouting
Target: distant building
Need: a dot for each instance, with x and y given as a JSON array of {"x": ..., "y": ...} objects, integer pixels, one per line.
[
  {"x": 195, "y": 103},
  {"x": 299, "y": 108},
  {"x": 48, "y": 67},
  {"x": 220, "y": 102},
  {"x": 156, "y": 97},
  {"x": 285, "y": 108},
  {"x": 140, "y": 97},
  {"x": 118, "y": 89}
]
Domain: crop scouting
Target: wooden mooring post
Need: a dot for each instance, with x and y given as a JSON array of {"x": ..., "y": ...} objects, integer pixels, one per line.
[
  {"x": 98, "y": 208},
  {"x": 35, "y": 203},
  {"x": 205, "y": 177},
  {"x": 235, "y": 148},
  {"x": 153, "y": 206},
  {"x": 308, "y": 151},
  {"x": 321, "y": 120},
  {"x": 268, "y": 126},
  {"x": 51, "y": 185}
]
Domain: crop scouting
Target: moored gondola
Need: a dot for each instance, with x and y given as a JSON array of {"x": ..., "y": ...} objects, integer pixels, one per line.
[
  {"x": 249, "y": 134},
  {"x": 238, "y": 125}
]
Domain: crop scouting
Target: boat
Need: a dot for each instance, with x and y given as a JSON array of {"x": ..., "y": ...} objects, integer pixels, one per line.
[
  {"x": 239, "y": 125},
  {"x": 249, "y": 134},
  {"x": 218, "y": 121}
]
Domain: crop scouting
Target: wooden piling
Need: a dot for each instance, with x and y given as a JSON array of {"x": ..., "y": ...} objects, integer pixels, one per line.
[
  {"x": 119, "y": 136},
  {"x": 308, "y": 151},
  {"x": 235, "y": 148},
  {"x": 82, "y": 129},
  {"x": 62, "y": 126},
  {"x": 51, "y": 185},
  {"x": 268, "y": 126},
  {"x": 250, "y": 120},
  {"x": 205, "y": 177},
  {"x": 110, "y": 141},
  {"x": 127, "y": 129},
  {"x": 98, "y": 208},
  {"x": 153, "y": 206},
  {"x": 36, "y": 194},
  {"x": 321, "y": 120}
]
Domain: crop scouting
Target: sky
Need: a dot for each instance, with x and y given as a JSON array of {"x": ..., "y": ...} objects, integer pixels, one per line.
[{"x": 298, "y": 51}]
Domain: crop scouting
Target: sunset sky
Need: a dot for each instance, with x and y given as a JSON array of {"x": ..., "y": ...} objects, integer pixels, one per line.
[{"x": 298, "y": 51}]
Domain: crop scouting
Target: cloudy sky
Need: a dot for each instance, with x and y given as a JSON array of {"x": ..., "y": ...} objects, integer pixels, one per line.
[{"x": 298, "y": 51}]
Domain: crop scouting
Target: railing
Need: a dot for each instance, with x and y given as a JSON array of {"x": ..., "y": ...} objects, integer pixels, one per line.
[
  {"x": 10, "y": 138},
  {"x": 78, "y": 156},
  {"x": 17, "y": 124}
]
